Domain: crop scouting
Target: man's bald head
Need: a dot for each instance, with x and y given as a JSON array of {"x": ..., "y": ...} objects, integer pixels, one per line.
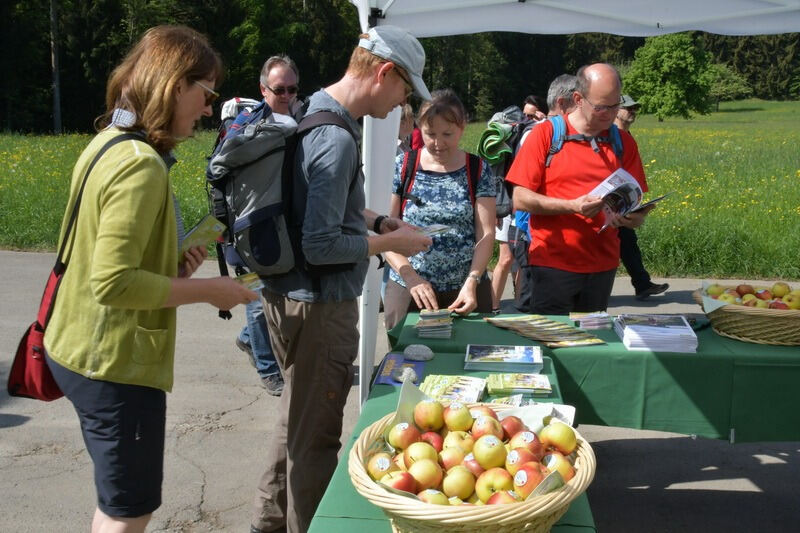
[{"x": 597, "y": 73}]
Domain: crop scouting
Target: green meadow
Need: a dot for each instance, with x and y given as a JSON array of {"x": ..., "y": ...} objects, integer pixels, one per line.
[{"x": 734, "y": 175}]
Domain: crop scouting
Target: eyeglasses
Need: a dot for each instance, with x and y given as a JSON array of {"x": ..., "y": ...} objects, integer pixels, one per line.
[
  {"x": 211, "y": 94},
  {"x": 280, "y": 91},
  {"x": 409, "y": 87},
  {"x": 530, "y": 116},
  {"x": 602, "y": 108}
]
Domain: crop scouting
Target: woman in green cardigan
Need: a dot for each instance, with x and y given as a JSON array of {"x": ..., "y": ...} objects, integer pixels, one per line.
[{"x": 111, "y": 339}]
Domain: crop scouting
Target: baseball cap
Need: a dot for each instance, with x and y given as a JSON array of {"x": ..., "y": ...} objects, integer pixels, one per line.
[
  {"x": 627, "y": 101},
  {"x": 401, "y": 48}
]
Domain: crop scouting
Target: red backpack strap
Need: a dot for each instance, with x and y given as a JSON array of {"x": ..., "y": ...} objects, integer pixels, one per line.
[
  {"x": 407, "y": 175},
  {"x": 474, "y": 171}
]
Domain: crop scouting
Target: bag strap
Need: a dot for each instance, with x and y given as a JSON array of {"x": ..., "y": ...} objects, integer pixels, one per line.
[
  {"x": 60, "y": 266},
  {"x": 559, "y": 136},
  {"x": 408, "y": 174},
  {"x": 474, "y": 170},
  {"x": 557, "y": 140}
]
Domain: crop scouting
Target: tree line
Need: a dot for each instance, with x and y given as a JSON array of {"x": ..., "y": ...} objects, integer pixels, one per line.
[{"x": 488, "y": 70}]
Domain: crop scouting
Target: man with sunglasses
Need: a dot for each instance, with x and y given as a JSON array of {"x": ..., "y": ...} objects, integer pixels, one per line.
[
  {"x": 573, "y": 264},
  {"x": 313, "y": 321},
  {"x": 279, "y": 85}
]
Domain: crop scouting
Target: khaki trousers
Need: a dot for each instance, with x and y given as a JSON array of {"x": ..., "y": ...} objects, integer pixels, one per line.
[{"x": 315, "y": 345}]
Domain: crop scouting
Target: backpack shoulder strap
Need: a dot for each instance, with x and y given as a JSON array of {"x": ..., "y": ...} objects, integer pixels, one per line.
[
  {"x": 323, "y": 118},
  {"x": 616, "y": 140},
  {"x": 407, "y": 175},
  {"x": 557, "y": 140},
  {"x": 474, "y": 171}
]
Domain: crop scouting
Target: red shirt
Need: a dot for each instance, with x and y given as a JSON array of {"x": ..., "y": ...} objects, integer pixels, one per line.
[{"x": 571, "y": 242}]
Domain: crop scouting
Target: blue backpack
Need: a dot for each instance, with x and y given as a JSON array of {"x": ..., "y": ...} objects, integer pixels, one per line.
[{"x": 560, "y": 135}]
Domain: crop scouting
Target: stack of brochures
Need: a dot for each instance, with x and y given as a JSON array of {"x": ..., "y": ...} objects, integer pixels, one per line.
[
  {"x": 657, "y": 333},
  {"x": 517, "y": 383},
  {"x": 500, "y": 358},
  {"x": 551, "y": 333},
  {"x": 597, "y": 320},
  {"x": 436, "y": 324},
  {"x": 464, "y": 389}
]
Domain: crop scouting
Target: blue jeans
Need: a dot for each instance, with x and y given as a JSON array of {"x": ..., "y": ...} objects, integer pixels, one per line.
[{"x": 256, "y": 335}]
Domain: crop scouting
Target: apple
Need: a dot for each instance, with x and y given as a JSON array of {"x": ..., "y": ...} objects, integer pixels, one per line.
[
  {"x": 491, "y": 481},
  {"x": 400, "y": 481},
  {"x": 556, "y": 461},
  {"x": 761, "y": 304},
  {"x": 450, "y": 457},
  {"x": 518, "y": 457},
  {"x": 528, "y": 478},
  {"x": 427, "y": 472},
  {"x": 529, "y": 440},
  {"x": 749, "y": 296},
  {"x": 417, "y": 451},
  {"x": 489, "y": 452},
  {"x": 433, "y": 496},
  {"x": 434, "y": 439},
  {"x": 745, "y": 289},
  {"x": 379, "y": 465},
  {"x": 456, "y": 417},
  {"x": 429, "y": 415},
  {"x": 727, "y": 297},
  {"x": 478, "y": 410},
  {"x": 715, "y": 289},
  {"x": 402, "y": 435},
  {"x": 473, "y": 465},
  {"x": 399, "y": 462},
  {"x": 795, "y": 292},
  {"x": 559, "y": 436},
  {"x": 778, "y": 304},
  {"x": 486, "y": 425},
  {"x": 458, "y": 481},
  {"x": 764, "y": 294},
  {"x": 753, "y": 302},
  {"x": 780, "y": 289},
  {"x": 792, "y": 300},
  {"x": 455, "y": 500},
  {"x": 503, "y": 497},
  {"x": 459, "y": 439},
  {"x": 511, "y": 426},
  {"x": 474, "y": 500}
]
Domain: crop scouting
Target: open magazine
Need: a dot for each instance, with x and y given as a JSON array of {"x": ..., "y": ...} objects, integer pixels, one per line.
[{"x": 621, "y": 194}]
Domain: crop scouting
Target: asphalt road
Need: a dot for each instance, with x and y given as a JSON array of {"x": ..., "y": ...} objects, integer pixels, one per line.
[{"x": 218, "y": 421}]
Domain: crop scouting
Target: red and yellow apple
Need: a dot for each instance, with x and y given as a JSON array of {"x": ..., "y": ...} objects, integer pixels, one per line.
[
  {"x": 450, "y": 457},
  {"x": 402, "y": 435},
  {"x": 559, "y": 436},
  {"x": 433, "y": 496},
  {"x": 511, "y": 426},
  {"x": 518, "y": 457},
  {"x": 529, "y": 440},
  {"x": 489, "y": 451},
  {"x": 380, "y": 464},
  {"x": 491, "y": 481},
  {"x": 556, "y": 461},
  {"x": 417, "y": 451},
  {"x": 434, "y": 439},
  {"x": 780, "y": 289},
  {"x": 427, "y": 472},
  {"x": 458, "y": 481},
  {"x": 473, "y": 465},
  {"x": 457, "y": 417},
  {"x": 458, "y": 439},
  {"x": 486, "y": 425},
  {"x": 400, "y": 481},
  {"x": 503, "y": 497},
  {"x": 478, "y": 410},
  {"x": 429, "y": 415},
  {"x": 528, "y": 478}
]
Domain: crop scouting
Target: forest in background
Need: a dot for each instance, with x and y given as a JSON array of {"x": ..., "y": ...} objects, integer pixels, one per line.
[{"x": 488, "y": 70}]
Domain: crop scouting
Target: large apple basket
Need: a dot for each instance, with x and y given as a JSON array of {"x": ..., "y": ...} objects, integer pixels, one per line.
[
  {"x": 752, "y": 324},
  {"x": 536, "y": 514}
]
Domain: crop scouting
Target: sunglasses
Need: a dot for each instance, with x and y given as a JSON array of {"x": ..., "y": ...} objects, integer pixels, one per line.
[
  {"x": 280, "y": 91},
  {"x": 409, "y": 87},
  {"x": 211, "y": 94},
  {"x": 602, "y": 108}
]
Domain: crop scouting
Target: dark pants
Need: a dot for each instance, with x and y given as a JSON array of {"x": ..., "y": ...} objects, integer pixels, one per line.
[
  {"x": 523, "y": 291},
  {"x": 631, "y": 258},
  {"x": 559, "y": 292},
  {"x": 315, "y": 345},
  {"x": 398, "y": 301}
]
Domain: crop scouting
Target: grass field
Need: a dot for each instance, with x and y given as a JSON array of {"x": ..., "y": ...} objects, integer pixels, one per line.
[{"x": 734, "y": 175}]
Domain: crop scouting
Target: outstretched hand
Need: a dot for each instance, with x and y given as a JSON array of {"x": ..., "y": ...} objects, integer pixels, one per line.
[{"x": 191, "y": 261}]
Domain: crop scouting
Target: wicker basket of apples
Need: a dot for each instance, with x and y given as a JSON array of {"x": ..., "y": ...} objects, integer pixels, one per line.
[
  {"x": 469, "y": 468},
  {"x": 763, "y": 315}
]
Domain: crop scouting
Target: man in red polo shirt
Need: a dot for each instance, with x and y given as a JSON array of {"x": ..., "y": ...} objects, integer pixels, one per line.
[{"x": 572, "y": 265}]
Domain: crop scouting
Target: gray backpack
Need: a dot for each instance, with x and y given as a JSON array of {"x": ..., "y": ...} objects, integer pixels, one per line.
[{"x": 251, "y": 180}]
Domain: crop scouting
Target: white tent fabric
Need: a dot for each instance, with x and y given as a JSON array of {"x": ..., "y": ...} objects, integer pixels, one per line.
[{"x": 428, "y": 18}]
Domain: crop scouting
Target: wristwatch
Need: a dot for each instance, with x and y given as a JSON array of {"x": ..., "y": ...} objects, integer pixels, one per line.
[
  {"x": 476, "y": 277},
  {"x": 376, "y": 226}
]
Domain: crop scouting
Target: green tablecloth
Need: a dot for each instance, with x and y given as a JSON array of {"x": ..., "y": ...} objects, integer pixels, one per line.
[
  {"x": 728, "y": 389},
  {"x": 342, "y": 509}
]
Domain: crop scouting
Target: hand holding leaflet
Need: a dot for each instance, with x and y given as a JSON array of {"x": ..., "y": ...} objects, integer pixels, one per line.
[{"x": 621, "y": 195}]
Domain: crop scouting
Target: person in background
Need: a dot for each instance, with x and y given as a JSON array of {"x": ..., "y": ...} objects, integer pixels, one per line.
[
  {"x": 572, "y": 265},
  {"x": 559, "y": 95},
  {"x": 534, "y": 108},
  {"x": 313, "y": 319},
  {"x": 629, "y": 252},
  {"x": 452, "y": 273},
  {"x": 278, "y": 84},
  {"x": 111, "y": 339},
  {"x": 405, "y": 130}
]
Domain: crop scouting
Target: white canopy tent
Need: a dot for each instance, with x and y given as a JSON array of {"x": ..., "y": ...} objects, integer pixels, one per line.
[{"x": 429, "y": 18}]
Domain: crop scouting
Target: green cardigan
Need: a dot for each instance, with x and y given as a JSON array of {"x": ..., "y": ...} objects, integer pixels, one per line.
[{"x": 108, "y": 322}]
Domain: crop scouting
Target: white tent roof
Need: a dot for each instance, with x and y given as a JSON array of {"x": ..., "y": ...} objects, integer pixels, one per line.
[{"x": 427, "y": 18}]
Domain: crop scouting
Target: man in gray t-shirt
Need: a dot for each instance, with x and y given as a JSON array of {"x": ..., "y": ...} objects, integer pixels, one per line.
[{"x": 313, "y": 319}]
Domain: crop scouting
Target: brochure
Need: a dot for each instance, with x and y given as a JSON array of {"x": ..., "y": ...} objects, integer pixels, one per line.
[
  {"x": 518, "y": 383},
  {"x": 500, "y": 358},
  {"x": 658, "y": 333},
  {"x": 551, "y": 333},
  {"x": 391, "y": 362},
  {"x": 464, "y": 389},
  {"x": 434, "y": 229},
  {"x": 250, "y": 280},
  {"x": 621, "y": 194},
  {"x": 202, "y": 234}
]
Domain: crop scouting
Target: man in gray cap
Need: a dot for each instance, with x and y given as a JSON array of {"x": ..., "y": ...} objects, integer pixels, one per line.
[
  {"x": 629, "y": 252},
  {"x": 313, "y": 318}
]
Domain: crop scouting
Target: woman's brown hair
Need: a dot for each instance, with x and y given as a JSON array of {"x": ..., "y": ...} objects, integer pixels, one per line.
[
  {"x": 446, "y": 104},
  {"x": 146, "y": 80}
]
